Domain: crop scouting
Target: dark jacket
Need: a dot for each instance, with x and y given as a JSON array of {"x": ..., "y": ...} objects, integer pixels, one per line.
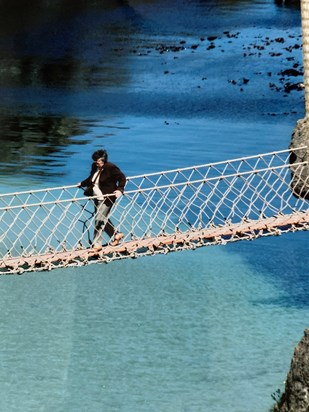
[{"x": 111, "y": 179}]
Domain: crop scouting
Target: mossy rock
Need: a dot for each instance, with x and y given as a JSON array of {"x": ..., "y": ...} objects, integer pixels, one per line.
[{"x": 299, "y": 174}]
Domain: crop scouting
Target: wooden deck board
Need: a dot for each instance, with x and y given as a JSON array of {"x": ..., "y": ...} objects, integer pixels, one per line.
[{"x": 211, "y": 235}]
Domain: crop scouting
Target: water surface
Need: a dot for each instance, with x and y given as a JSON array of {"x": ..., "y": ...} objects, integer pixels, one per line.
[{"x": 160, "y": 85}]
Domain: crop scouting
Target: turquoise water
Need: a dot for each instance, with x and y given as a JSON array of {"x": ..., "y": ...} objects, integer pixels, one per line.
[
  {"x": 207, "y": 330},
  {"x": 191, "y": 331}
]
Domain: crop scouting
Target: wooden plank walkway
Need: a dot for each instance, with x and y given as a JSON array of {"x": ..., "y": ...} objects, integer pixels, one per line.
[{"x": 216, "y": 235}]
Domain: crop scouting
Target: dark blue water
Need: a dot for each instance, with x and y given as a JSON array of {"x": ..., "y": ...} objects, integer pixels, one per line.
[
  {"x": 83, "y": 71},
  {"x": 160, "y": 85}
]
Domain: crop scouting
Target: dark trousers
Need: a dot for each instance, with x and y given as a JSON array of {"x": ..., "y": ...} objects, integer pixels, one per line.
[{"x": 102, "y": 223}]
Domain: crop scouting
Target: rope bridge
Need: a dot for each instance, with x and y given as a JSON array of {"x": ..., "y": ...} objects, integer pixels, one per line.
[{"x": 211, "y": 204}]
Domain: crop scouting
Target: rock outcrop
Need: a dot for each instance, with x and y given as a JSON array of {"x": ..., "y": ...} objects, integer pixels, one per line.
[
  {"x": 296, "y": 395},
  {"x": 300, "y": 174}
]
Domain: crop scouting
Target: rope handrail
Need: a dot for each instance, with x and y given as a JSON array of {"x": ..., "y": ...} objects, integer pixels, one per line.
[
  {"x": 205, "y": 165},
  {"x": 172, "y": 185},
  {"x": 238, "y": 174},
  {"x": 130, "y": 192},
  {"x": 220, "y": 162},
  {"x": 178, "y": 209}
]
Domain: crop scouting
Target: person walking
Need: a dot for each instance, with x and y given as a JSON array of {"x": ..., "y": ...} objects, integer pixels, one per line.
[{"x": 105, "y": 179}]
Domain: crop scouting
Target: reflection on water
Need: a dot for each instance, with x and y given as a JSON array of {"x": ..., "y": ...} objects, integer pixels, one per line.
[
  {"x": 34, "y": 144},
  {"x": 57, "y": 53},
  {"x": 66, "y": 72},
  {"x": 21, "y": 14},
  {"x": 288, "y": 3},
  {"x": 57, "y": 45}
]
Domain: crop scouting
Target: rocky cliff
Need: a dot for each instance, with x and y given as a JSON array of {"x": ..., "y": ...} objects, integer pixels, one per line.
[{"x": 296, "y": 395}]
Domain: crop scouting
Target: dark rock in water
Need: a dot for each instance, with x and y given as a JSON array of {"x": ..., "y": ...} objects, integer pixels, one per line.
[
  {"x": 290, "y": 72},
  {"x": 296, "y": 395},
  {"x": 293, "y": 86},
  {"x": 299, "y": 173},
  {"x": 290, "y": 48},
  {"x": 161, "y": 48},
  {"x": 274, "y": 87}
]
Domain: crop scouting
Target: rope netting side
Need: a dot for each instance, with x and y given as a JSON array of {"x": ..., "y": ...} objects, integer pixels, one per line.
[{"x": 172, "y": 210}]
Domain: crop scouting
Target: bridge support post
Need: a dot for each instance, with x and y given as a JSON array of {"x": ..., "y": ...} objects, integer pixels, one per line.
[{"x": 305, "y": 37}]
